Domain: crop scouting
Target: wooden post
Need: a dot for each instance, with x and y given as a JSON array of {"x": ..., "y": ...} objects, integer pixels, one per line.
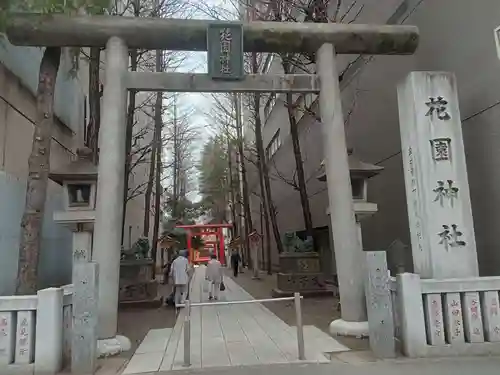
[{"x": 379, "y": 305}]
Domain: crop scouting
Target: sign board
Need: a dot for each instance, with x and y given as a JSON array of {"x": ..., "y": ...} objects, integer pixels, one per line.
[
  {"x": 225, "y": 51},
  {"x": 497, "y": 40}
]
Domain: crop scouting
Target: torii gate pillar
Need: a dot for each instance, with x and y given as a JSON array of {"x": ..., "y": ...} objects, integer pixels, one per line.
[
  {"x": 109, "y": 208},
  {"x": 348, "y": 249}
]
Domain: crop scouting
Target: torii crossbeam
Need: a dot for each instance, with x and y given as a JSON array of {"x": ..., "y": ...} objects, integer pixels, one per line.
[
  {"x": 191, "y": 35},
  {"x": 118, "y": 34}
]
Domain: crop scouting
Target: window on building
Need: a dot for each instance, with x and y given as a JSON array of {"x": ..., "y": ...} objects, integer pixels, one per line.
[
  {"x": 271, "y": 102},
  {"x": 273, "y": 146}
]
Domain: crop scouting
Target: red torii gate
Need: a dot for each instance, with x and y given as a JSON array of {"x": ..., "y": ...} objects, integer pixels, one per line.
[{"x": 206, "y": 230}]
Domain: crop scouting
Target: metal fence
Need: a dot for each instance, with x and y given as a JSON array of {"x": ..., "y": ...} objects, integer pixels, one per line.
[{"x": 298, "y": 317}]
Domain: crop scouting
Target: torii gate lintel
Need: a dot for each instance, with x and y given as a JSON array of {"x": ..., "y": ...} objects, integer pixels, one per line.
[{"x": 56, "y": 30}]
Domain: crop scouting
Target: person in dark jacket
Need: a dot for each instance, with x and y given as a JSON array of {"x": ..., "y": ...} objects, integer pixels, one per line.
[{"x": 235, "y": 262}]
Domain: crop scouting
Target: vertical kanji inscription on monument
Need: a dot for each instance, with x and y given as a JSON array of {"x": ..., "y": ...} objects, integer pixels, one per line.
[{"x": 437, "y": 187}]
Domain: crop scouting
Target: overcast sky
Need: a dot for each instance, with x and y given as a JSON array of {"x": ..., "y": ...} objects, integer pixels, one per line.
[{"x": 201, "y": 103}]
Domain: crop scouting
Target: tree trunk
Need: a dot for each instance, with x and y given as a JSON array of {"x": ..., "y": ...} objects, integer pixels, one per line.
[
  {"x": 238, "y": 196},
  {"x": 149, "y": 192},
  {"x": 38, "y": 174},
  {"x": 231, "y": 188},
  {"x": 266, "y": 205},
  {"x": 262, "y": 248},
  {"x": 269, "y": 264},
  {"x": 94, "y": 123},
  {"x": 299, "y": 165},
  {"x": 128, "y": 139},
  {"x": 158, "y": 144},
  {"x": 246, "y": 195},
  {"x": 265, "y": 189},
  {"x": 261, "y": 159},
  {"x": 158, "y": 192},
  {"x": 175, "y": 166}
]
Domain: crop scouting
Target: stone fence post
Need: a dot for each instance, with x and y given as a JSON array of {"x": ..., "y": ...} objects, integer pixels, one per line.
[
  {"x": 414, "y": 340},
  {"x": 379, "y": 305},
  {"x": 49, "y": 331}
]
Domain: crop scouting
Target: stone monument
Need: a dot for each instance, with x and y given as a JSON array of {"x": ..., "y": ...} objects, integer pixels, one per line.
[
  {"x": 137, "y": 283},
  {"x": 300, "y": 270},
  {"x": 437, "y": 187}
]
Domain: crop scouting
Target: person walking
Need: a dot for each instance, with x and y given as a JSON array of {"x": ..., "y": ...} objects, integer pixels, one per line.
[
  {"x": 214, "y": 276},
  {"x": 235, "y": 262},
  {"x": 180, "y": 275}
]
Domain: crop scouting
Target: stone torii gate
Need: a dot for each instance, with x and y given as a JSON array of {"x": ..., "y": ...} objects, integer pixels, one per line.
[{"x": 118, "y": 34}]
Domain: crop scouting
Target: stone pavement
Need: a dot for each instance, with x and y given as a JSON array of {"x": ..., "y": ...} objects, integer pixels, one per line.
[
  {"x": 228, "y": 335},
  {"x": 445, "y": 366}
]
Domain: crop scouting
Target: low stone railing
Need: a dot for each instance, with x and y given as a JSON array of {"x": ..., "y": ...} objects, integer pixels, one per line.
[
  {"x": 449, "y": 317},
  {"x": 35, "y": 331},
  {"x": 430, "y": 318}
]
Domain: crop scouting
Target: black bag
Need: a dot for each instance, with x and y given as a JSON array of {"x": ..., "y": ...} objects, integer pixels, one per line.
[
  {"x": 170, "y": 300},
  {"x": 222, "y": 286}
]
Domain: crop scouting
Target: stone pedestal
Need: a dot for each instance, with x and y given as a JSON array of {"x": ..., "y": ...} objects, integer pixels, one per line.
[
  {"x": 136, "y": 284},
  {"x": 300, "y": 272},
  {"x": 437, "y": 188}
]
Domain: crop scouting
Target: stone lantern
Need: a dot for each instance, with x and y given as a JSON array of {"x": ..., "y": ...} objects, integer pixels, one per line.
[
  {"x": 360, "y": 173},
  {"x": 79, "y": 181}
]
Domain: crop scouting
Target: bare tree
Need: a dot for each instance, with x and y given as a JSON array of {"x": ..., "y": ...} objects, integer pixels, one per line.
[
  {"x": 225, "y": 115},
  {"x": 265, "y": 183},
  {"x": 137, "y": 153},
  {"x": 180, "y": 138},
  {"x": 317, "y": 11}
]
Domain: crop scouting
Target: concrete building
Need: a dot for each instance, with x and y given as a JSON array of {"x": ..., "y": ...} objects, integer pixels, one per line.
[
  {"x": 456, "y": 36},
  {"x": 18, "y": 82}
]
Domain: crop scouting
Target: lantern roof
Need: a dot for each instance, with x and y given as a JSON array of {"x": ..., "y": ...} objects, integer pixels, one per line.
[
  {"x": 357, "y": 168},
  {"x": 81, "y": 168}
]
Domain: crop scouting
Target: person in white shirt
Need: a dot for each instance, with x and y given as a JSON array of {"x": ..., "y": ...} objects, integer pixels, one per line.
[
  {"x": 179, "y": 272},
  {"x": 213, "y": 274}
]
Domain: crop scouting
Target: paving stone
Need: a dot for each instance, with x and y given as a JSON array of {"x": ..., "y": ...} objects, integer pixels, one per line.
[{"x": 232, "y": 335}]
